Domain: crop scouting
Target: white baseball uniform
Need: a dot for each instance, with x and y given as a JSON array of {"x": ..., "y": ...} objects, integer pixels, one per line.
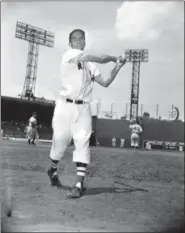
[
  {"x": 122, "y": 142},
  {"x": 135, "y": 131},
  {"x": 148, "y": 146},
  {"x": 31, "y": 129},
  {"x": 71, "y": 120},
  {"x": 113, "y": 142}
]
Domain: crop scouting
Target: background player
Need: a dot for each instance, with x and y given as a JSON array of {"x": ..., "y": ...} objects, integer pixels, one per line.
[
  {"x": 136, "y": 130},
  {"x": 122, "y": 142},
  {"x": 113, "y": 142},
  {"x": 31, "y": 129},
  {"x": 72, "y": 114}
]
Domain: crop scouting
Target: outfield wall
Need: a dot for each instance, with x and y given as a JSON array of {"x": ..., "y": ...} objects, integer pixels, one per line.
[
  {"x": 163, "y": 130},
  {"x": 153, "y": 129}
]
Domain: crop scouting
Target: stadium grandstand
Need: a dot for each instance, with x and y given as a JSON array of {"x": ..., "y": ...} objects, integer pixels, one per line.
[{"x": 15, "y": 113}]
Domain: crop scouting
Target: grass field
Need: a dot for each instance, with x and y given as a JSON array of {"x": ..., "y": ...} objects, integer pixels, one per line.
[{"x": 126, "y": 190}]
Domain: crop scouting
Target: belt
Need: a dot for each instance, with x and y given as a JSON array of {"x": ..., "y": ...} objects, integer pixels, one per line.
[{"x": 75, "y": 101}]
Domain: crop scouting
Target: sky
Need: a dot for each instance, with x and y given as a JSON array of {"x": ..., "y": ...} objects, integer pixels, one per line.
[{"x": 111, "y": 27}]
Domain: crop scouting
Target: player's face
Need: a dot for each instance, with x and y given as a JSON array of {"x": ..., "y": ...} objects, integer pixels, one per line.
[{"x": 77, "y": 41}]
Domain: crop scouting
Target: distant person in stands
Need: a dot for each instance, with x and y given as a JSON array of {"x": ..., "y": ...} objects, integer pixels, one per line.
[
  {"x": 32, "y": 133},
  {"x": 136, "y": 130}
]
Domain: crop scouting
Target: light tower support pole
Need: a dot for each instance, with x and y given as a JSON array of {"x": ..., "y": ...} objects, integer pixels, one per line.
[{"x": 136, "y": 57}]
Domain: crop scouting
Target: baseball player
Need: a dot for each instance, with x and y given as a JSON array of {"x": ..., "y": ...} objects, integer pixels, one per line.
[
  {"x": 72, "y": 114},
  {"x": 136, "y": 130},
  {"x": 31, "y": 129},
  {"x": 122, "y": 142},
  {"x": 113, "y": 142},
  {"x": 148, "y": 146}
]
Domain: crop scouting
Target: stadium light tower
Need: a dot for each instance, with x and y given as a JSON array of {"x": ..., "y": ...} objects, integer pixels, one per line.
[
  {"x": 35, "y": 36},
  {"x": 136, "y": 56}
]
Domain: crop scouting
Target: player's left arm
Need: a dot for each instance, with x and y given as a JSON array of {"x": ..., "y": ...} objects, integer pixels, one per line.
[{"x": 112, "y": 75}]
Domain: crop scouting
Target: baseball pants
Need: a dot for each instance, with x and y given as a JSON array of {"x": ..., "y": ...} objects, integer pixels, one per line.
[
  {"x": 32, "y": 133},
  {"x": 135, "y": 139},
  {"x": 71, "y": 121}
]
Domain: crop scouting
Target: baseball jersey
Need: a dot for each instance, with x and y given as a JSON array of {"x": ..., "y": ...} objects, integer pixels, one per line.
[
  {"x": 122, "y": 140},
  {"x": 32, "y": 121},
  {"x": 114, "y": 140},
  {"x": 77, "y": 79},
  {"x": 135, "y": 128}
]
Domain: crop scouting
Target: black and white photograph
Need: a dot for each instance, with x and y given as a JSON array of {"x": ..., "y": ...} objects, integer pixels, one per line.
[{"x": 92, "y": 116}]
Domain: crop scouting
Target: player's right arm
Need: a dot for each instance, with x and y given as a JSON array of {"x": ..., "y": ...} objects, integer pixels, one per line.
[
  {"x": 78, "y": 56},
  {"x": 101, "y": 58}
]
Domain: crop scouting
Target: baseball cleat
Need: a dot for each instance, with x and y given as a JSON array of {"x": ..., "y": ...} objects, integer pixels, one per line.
[
  {"x": 53, "y": 177},
  {"x": 77, "y": 191}
]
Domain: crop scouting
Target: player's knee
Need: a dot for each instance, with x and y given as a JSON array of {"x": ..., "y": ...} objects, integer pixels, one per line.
[
  {"x": 81, "y": 143},
  {"x": 60, "y": 137}
]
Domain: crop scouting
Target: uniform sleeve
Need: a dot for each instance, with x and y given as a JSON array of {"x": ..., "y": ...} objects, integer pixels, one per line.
[
  {"x": 71, "y": 56},
  {"x": 140, "y": 128},
  {"x": 31, "y": 119}
]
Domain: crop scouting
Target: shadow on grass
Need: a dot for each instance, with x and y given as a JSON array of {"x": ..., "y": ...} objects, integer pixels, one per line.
[{"x": 99, "y": 190}]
